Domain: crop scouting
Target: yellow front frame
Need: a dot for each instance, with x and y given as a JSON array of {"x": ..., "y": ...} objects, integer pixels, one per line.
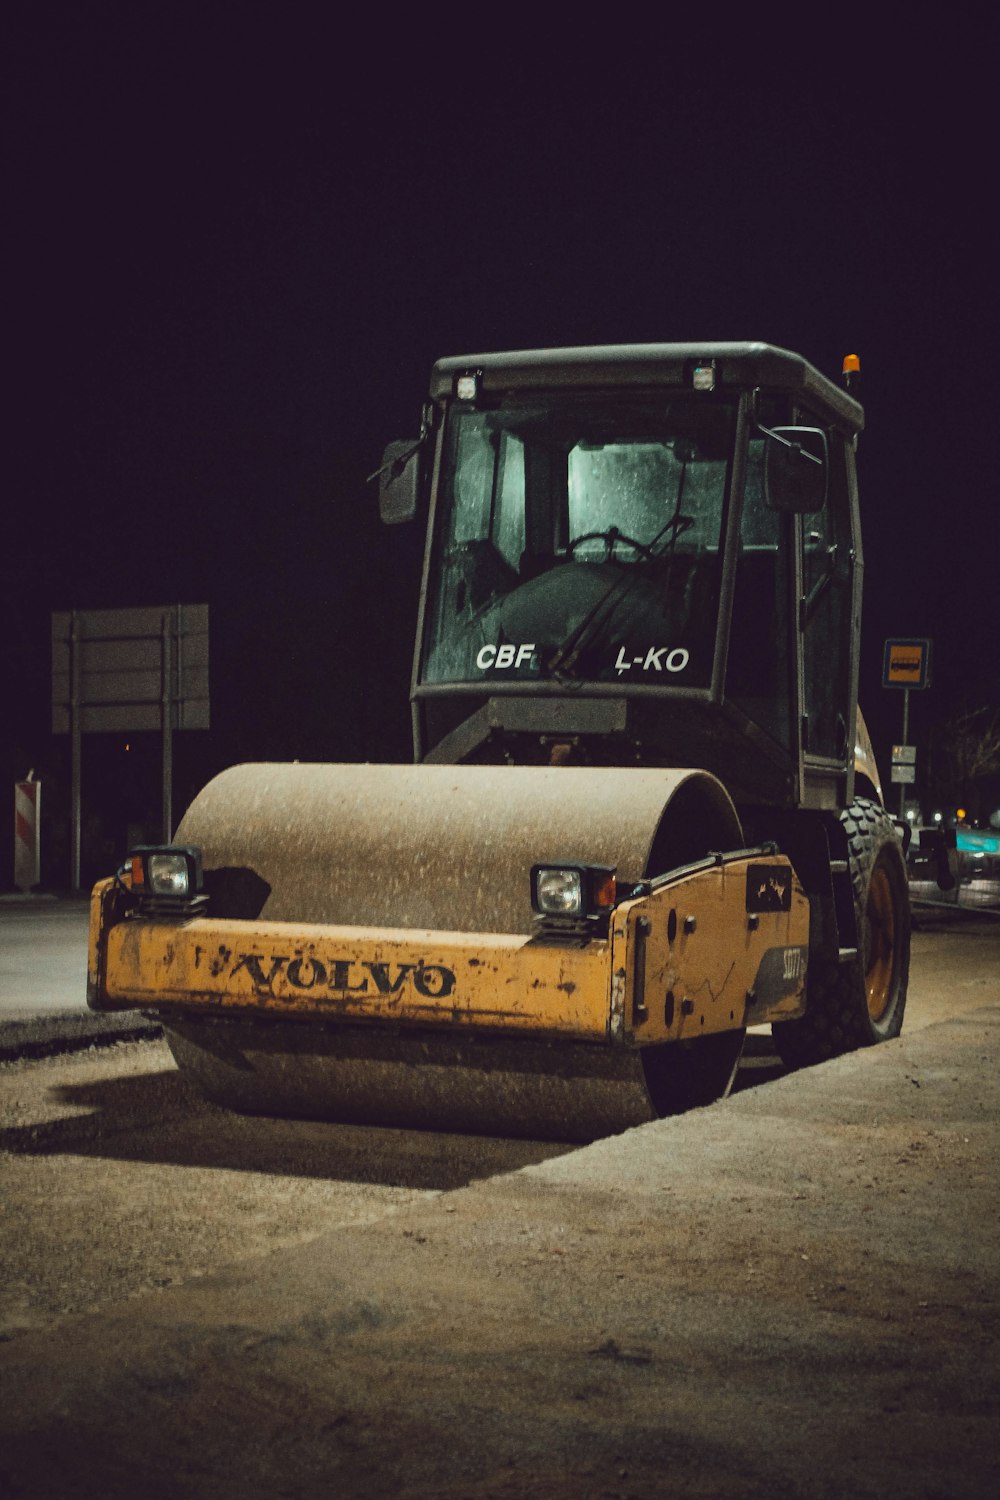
[{"x": 686, "y": 960}]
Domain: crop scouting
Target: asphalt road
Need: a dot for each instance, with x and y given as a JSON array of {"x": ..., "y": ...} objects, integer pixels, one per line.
[
  {"x": 43, "y": 956},
  {"x": 43, "y": 980},
  {"x": 791, "y": 1293}
]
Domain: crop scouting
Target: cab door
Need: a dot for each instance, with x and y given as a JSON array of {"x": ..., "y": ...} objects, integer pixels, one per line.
[{"x": 827, "y": 565}]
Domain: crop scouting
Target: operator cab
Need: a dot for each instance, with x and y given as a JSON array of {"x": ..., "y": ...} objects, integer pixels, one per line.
[{"x": 640, "y": 554}]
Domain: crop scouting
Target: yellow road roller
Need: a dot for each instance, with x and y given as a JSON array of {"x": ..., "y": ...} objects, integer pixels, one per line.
[{"x": 643, "y": 813}]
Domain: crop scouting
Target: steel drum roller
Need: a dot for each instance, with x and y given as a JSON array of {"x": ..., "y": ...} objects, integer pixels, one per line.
[{"x": 445, "y": 847}]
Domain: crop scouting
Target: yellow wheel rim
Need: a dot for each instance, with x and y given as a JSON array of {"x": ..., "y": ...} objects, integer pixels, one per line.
[{"x": 881, "y": 914}]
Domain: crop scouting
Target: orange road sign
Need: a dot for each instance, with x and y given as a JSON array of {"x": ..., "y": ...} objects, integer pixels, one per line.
[{"x": 906, "y": 664}]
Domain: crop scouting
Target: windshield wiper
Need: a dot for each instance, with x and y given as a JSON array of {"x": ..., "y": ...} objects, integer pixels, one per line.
[{"x": 566, "y": 655}]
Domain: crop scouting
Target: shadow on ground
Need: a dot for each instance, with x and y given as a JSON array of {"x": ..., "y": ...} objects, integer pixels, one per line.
[{"x": 157, "y": 1117}]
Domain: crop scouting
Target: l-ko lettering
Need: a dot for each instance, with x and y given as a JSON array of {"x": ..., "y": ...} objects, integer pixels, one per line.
[
  {"x": 656, "y": 659},
  {"x": 503, "y": 657}
]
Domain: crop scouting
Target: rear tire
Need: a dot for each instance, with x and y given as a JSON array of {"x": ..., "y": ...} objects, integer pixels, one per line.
[{"x": 859, "y": 1003}]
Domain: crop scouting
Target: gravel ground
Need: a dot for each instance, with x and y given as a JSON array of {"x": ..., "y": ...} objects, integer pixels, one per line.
[
  {"x": 118, "y": 1179},
  {"x": 793, "y": 1293}
]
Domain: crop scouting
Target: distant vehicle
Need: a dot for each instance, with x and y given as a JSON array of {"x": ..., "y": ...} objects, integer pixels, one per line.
[
  {"x": 932, "y": 855},
  {"x": 978, "y": 853}
]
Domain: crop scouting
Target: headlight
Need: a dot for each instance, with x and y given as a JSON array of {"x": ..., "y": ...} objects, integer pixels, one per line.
[
  {"x": 573, "y": 900},
  {"x": 167, "y": 878},
  {"x": 559, "y": 892},
  {"x": 168, "y": 875}
]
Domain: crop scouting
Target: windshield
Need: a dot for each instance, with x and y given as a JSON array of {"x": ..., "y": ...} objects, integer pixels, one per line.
[{"x": 579, "y": 538}]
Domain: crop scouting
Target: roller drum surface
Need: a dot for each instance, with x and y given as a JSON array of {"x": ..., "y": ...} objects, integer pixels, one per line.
[
  {"x": 363, "y": 1076},
  {"x": 442, "y": 847}
]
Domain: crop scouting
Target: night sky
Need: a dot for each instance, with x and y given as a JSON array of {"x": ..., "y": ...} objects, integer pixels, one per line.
[{"x": 237, "y": 241}]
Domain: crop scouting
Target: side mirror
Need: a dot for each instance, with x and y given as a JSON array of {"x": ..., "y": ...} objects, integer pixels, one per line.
[
  {"x": 796, "y": 464},
  {"x": 399, "y": 482}
]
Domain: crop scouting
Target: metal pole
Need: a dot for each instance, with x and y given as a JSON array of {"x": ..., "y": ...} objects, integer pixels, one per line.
[
  {"x": 166, "y": 717},
  {"x": 906, "y": 741},
  {"x": 75, "y": 730}
]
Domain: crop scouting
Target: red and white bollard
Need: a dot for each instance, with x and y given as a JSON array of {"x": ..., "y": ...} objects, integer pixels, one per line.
[{"x": 27, "y": 833}]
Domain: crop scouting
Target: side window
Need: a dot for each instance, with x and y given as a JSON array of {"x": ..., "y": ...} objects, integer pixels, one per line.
[
  {"x": 475, "y": 461},
  {"x": 508, "y": 516},
  {"x": 489, "y": 488},
  {"x": 759, "y": 671},
  {"x": 827, "y": 592}
]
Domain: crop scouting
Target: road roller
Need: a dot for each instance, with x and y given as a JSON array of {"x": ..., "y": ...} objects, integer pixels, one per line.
[{"x": 643, "y": 813}]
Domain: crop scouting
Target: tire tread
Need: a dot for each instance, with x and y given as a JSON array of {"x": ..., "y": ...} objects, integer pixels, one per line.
[{"x": 837, "y": 1019}]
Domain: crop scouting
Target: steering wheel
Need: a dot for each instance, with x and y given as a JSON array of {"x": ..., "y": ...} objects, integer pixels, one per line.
[{"x": 611, "y": 538}]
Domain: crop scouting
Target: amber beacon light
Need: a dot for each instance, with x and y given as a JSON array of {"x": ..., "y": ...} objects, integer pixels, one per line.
[{"x": 852, "y": 373}]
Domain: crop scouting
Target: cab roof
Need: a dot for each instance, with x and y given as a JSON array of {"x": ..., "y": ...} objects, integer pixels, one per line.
[{"x": 738, "y": 366}]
